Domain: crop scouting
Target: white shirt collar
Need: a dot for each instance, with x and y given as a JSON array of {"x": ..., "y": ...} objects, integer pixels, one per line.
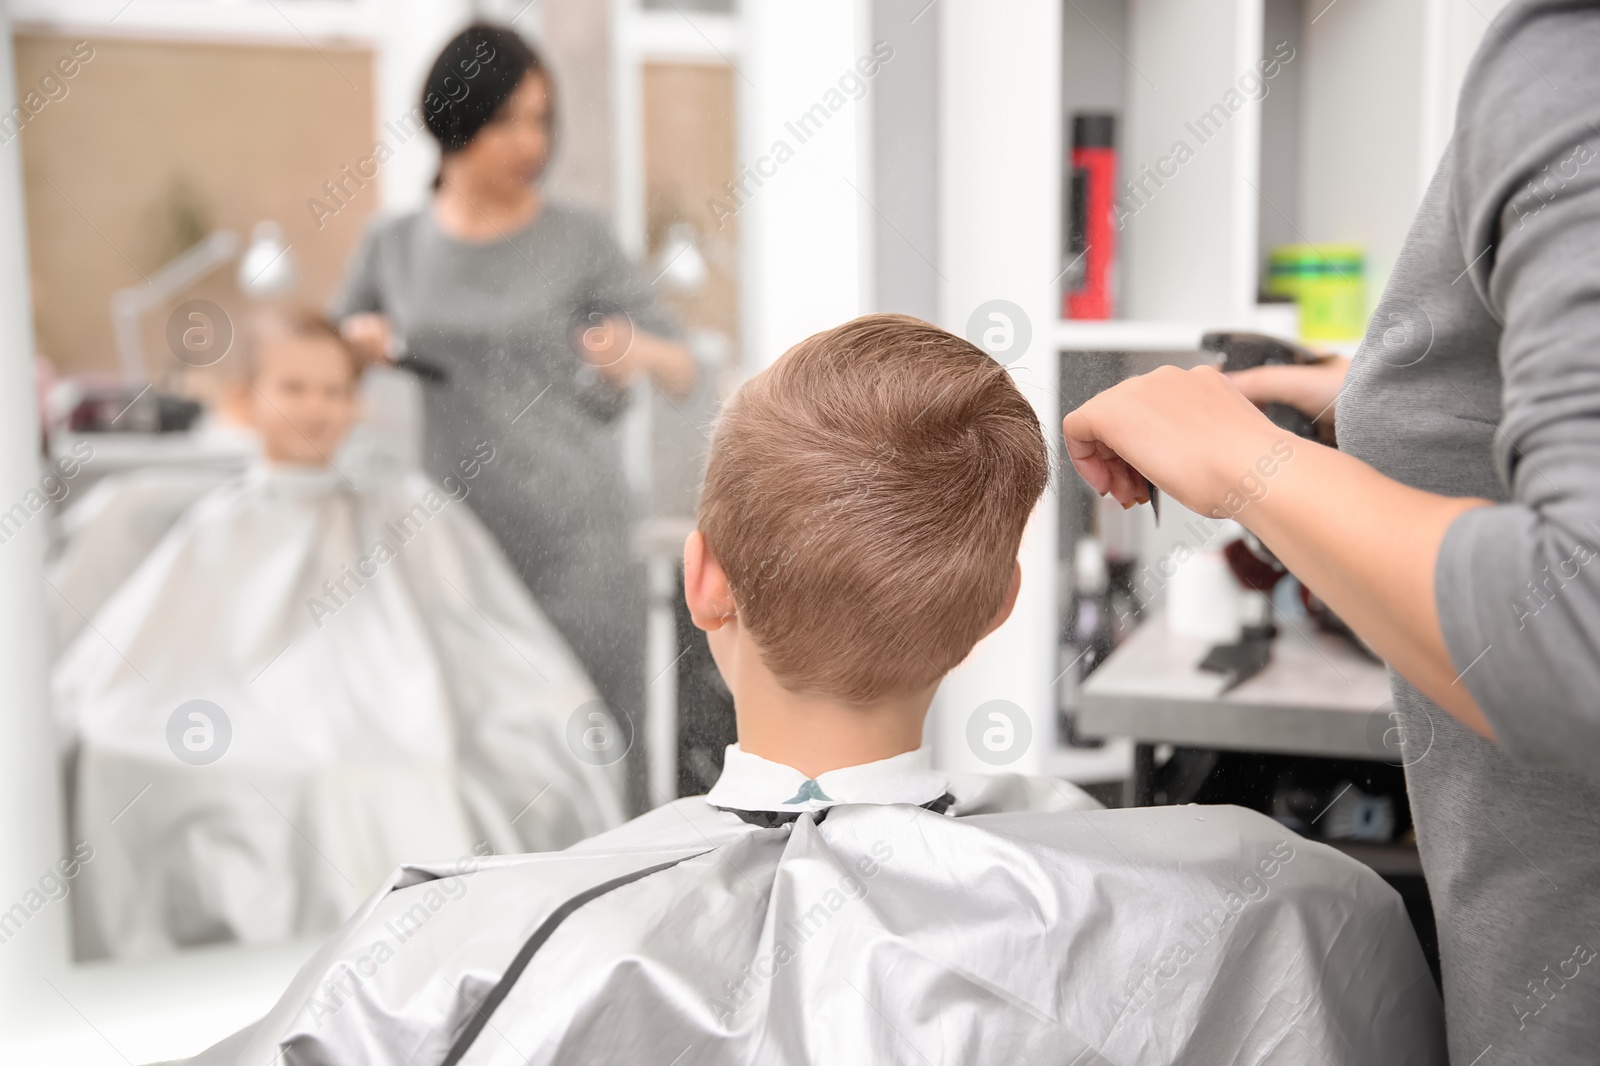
[
  {"x": 751, "y": 783},
  {"x": 305, "y": 479}
]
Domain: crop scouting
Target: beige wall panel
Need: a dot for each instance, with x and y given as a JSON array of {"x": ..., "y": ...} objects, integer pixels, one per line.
[
  {"x": 154, "y": 137},
  {"x": 690, "y": 144}
]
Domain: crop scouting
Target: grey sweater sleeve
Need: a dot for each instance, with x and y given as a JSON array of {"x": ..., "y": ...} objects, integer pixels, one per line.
[
  {"x": 1518, "y": 584},
  {"x": 362, "y": 288},
  {"x": 613, "y": 283}
]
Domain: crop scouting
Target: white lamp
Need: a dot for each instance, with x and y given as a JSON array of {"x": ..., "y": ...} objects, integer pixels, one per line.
[
  {"x": 683, "y": 265},
  {"x": 266, "y": 269}
]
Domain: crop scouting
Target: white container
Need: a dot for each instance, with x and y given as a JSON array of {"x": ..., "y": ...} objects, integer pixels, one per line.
[{"x": 1203, "y": 598}]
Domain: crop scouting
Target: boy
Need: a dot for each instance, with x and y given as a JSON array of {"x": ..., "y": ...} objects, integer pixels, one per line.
[
  {"x": 833, "y": 898},
  {"x": 305, "y": 683}
]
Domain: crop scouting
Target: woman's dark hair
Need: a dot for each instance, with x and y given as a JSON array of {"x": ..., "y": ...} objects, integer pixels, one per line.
[{"x": 471, "y": 80}]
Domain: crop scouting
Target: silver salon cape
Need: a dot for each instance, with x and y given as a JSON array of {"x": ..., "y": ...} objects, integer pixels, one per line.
[
  {"x": 879, "y": 914},
  {"x": 299, "y": 688}
]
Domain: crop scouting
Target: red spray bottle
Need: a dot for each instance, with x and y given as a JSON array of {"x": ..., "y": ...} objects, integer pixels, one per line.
[{"x": 1091, "y": 244}]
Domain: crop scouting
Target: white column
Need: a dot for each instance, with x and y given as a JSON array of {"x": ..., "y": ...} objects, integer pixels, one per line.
[
  {"x": 999, "y": 224},
  {"x": 31, "y": 840},
  {"x": 803, "y": 204},
  {"x": 1243, "y": 257},
  {"x": 627, "y": 131},
  {"x": 408, "y": 40}
]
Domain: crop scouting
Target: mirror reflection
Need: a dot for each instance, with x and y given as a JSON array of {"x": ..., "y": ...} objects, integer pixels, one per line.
[{"x": 353, "y": 508}]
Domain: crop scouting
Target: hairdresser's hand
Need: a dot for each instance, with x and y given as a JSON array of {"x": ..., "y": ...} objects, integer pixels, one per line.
[
  {"x": 620, "y": 353},
  {"x": 671, "y": 367},
  {"x": 1190, "y": 432},
  {"x": 606, "y": 344},
  {"x": 1312, "y": 388},
  {"x": 369, "y": 334}
]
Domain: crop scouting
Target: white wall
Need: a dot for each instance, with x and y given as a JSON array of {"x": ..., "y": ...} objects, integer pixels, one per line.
[
  {"x": 409, "y": 38},
  {"x": 1454, "y": 28},
  {"x": 1189, "y": 242},
  {"x": 905, "y": 136},
  {"x": 1370, "y": 144},
  {"x": 999, "y": 180},
  {"x": 1359, "y": 159},
  {"x": 805, "y": 244}
]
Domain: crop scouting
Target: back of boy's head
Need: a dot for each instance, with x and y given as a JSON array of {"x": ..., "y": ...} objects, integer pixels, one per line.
[{"x": 866, "y": 496}]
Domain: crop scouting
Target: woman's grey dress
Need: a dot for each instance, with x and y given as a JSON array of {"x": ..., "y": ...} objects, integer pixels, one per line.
[
  {"x": 496, "y": 318},
  {"x": 1480, "y": 376}
]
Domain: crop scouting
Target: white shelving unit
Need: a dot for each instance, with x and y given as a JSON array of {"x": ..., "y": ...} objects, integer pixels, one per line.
[
  {"x": 1335, "y": 144},
  {"x": 1339, "y": 148}
]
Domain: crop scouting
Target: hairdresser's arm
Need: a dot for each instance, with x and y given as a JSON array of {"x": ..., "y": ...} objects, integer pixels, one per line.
[
  {"x": 1365, "y": 544},
  {"x": 670, "y": 365},
  {"x": 620, "y": 353},
  {"x": 358, "y": 306},
  {"x": 638, "y": 337}
]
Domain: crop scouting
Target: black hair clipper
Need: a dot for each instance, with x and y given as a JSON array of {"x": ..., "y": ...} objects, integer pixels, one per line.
[
  {"x": 1242, "y": 351},
  {"x": 425, "y": 369}
]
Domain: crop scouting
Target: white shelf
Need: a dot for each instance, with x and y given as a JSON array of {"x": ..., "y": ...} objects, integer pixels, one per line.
[
  {"x": 1128, "y": 335},
  {"x": 1145, "y": 335}
]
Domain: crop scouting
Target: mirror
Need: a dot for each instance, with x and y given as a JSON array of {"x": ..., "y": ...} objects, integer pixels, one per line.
[{"x": 237, "y": 499}]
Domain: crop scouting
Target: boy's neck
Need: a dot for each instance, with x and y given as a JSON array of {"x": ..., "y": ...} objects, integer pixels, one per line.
[
  {"x": 815, "y": 734},
  {"x": 282, "y": 460}
]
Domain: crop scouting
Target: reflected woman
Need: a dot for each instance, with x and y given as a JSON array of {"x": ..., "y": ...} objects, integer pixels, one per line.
[{"x": 529, "y": 326}]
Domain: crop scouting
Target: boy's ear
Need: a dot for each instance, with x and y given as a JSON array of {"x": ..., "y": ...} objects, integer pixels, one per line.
[
  {"x": 1009, "y": 602},
  {"x": 705, "y": 585}
]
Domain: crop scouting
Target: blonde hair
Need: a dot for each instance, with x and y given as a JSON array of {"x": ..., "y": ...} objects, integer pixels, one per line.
[
  {"x": 277, "y": 321},
  {"x": 866, "y": 496}
]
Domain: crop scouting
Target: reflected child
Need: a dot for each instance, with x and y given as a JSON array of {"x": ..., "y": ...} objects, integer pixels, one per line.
[{"x": 318, "y": 681}]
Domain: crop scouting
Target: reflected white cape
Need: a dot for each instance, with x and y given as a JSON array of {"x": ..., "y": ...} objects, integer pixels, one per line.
[
  {"x": 995, "y": 933},
  {"x": 384, "y": 706}
]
